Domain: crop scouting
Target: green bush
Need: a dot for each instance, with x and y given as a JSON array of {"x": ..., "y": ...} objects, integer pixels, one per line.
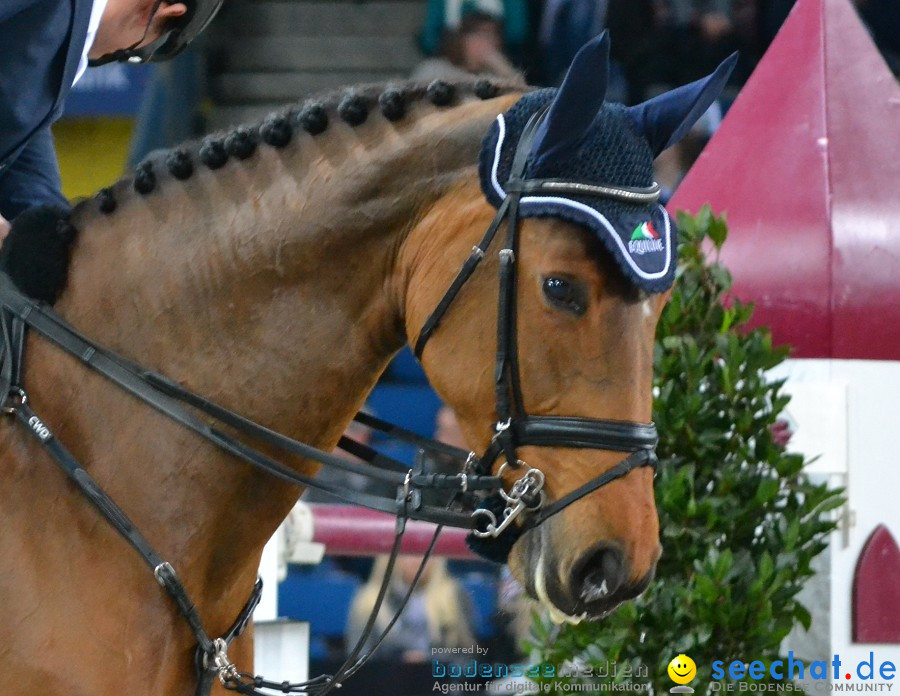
[{"x": 739, "y": 520}]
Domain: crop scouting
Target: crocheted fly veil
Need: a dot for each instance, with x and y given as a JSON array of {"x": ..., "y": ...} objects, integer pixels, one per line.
[{"x": 583, "y": 139}]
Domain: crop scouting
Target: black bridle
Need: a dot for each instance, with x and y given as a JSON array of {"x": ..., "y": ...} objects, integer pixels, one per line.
[
  {"x": 514, "y": 427},
  {"x": 477, "y": 498}
]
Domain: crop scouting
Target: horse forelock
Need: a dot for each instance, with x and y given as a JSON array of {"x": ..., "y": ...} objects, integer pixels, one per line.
[{"x": 290, "y": 127}]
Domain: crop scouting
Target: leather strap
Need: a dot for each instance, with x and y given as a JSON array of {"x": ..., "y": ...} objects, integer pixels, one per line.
[
  {"x": 633, "y": 461},
  {"x": 12, "y": 352},
  {"x": 207, "y": 673},
  {"x": 164, "y": 395},
  {"x": 583, "y": 433},
  {"x": 465, "y": 272},
  {"x": 118, "y": 520},
  {"x": 207, "y": 652}
]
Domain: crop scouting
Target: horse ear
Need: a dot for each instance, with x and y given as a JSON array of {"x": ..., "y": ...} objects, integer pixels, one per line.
[
  {"x": 666, "y": 119},
  {"x": 576, "y": 103}
]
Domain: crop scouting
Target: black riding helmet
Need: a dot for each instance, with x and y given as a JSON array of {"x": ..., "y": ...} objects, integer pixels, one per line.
[{"x": 173, "y": 40}]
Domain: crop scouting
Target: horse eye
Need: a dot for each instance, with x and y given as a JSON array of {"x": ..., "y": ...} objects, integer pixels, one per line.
[{"x": 566, "y": 294}]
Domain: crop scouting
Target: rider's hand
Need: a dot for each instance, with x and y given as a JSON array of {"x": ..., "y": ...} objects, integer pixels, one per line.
[{"x": 4, "y": 228}]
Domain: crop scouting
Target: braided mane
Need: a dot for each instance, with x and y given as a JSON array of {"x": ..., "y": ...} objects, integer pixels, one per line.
[{"x": 311, "y": 118}]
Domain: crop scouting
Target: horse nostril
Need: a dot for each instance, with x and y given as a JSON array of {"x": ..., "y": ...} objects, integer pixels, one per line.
[{"x": 602, "y": 575}]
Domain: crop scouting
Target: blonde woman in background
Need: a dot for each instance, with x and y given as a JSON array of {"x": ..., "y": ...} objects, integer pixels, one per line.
[{"x": 439, "y": 612}]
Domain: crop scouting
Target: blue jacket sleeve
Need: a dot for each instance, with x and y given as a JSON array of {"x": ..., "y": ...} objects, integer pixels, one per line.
[{"x": 32, "y": 178}]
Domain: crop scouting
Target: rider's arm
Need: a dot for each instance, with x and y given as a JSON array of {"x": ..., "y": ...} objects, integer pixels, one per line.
[{"x": 32, "y": 178}]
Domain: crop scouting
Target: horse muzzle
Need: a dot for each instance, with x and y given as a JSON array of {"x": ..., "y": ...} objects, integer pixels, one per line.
[{"x": 600, "y": 578}]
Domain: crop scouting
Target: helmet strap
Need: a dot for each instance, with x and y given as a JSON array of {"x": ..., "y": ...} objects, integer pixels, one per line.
[{"x": 130, "y": 54}]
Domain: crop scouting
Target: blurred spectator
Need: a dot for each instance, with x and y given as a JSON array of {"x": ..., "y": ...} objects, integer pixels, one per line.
[
  {"x": 566, "y": 25},
  {"x": 514, "y": 16},
  {"x": 656, "y": 44},
  {"x": 439, "y": 613},
  {"x": 474, "y": 47},
  {"x": 704, "y": 33}
]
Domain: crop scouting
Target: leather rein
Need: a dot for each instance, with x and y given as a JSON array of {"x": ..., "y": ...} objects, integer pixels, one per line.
[
  {"x": 19, "y": 312},
  {"x": 478, "y": 500}
]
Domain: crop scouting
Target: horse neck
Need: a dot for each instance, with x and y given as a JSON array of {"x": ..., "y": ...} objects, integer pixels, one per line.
[
  {"x": 272, "y": 286},
  {"x": 274, "y": 271}
]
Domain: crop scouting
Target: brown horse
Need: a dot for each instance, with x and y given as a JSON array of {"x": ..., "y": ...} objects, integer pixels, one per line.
[{"x": 280, "y": 284}]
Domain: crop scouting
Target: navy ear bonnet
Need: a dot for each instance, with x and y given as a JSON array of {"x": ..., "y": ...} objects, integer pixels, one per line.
[
  {"x": 641, "y": 237},
  {"x": 582, "y": 142}
]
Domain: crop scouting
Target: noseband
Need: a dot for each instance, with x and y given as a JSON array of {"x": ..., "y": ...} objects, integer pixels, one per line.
[{"x": 495, "y": 532}]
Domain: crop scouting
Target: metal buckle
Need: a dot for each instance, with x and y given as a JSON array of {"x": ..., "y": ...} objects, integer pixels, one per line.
[
  {"x": 406, "y": 483},
  {"x": 16, "y": 397},
  {"x": 468, "y": 470},
  {"x": 507, "y": 465},
  {"x": 403, "y": 500},
  {"x": 490, "y": 528},
  {"x": 520, "y": 498},
  {"x": 158, "y": 571},
  {"x": 224, "y": 667},
  {"x": 525, "y": 489}
]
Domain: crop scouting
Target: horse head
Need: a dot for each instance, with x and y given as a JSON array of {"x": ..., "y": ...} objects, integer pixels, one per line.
[{"x": 584, "y": 278}]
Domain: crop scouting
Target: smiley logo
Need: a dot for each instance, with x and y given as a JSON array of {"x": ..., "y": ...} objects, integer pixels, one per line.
[{"x": 682, "y": 669}]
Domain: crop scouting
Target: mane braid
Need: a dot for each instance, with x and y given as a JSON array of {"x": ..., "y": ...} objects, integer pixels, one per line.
[{"x": 312, "y": 117}]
